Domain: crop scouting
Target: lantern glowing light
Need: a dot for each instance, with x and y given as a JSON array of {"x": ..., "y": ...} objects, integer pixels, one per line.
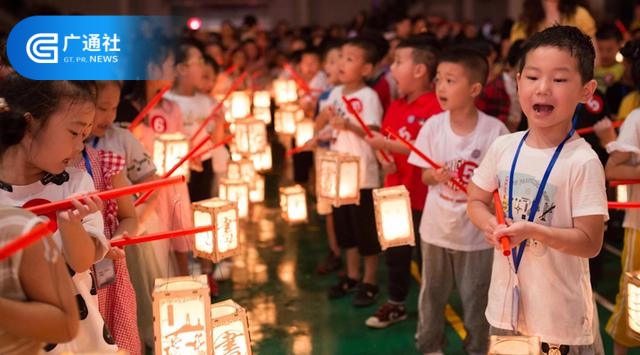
[
  {"x": 632, "y": 280},
  {"x": 293, "y": 203},
  {"x": 514, "y": 345},
  {"x": 236, "y": 190},
  {"x": 181, "y": 315},
  {"x": 261, "y": 99},
  {"x": 285, "y": 91},
  {"x": 250, "y": 136},
  {"x": 286, "y": 118},
  {"x": 168, "y": 149},
  {"x": 239, "y": 105},
  {"x": 223, "y": 215},
  {"x": 242, "y": 169},
  {"x": 256, "y": 194},
  {"x": 230, "y": 329},
  {"x": 262, "y": 114},
  {"x": 339, "y": 179},
  {"x": 262, "y": 161},
  {"x": 394, "y": 220},
  {"x": 304, "y": 131}
]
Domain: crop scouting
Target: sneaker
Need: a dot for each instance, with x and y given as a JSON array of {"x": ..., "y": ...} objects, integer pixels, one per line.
[
  {"x": 366, "y": 295},
  {"x": 386, "y": 315},
  {"x": 344, "y": 286},
  {"x": 331, "y": 263},
  {"x": 213, "y": 286}
]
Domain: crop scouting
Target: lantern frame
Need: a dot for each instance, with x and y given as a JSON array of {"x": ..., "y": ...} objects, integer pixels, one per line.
[
  {"x": 261, "y": 99},
  {"x": 250, "y": 136},
  {"x": 388, "y": 202},
  {"x": 242, "y": 169},
  {"x": 256, "y": 195},
  {"x": 223, "y": 214},
  {"x": 330, "y": 181},
  {"x": 632, "y": 284},
  {"x": 168, "y": 149},
  {"x": 235, "y": 313},
  {"x": 286, "y": 118},
  {"x": 304, "y": 131},
  {"x": 239, "y": 105},
  {"x": 285, "y": 91},
  {"x": 226, "y": 186},
  {"x": 262, "y": 161},
  {"x": 162, "y": 297},
  {"x": 293, "y": 193}
]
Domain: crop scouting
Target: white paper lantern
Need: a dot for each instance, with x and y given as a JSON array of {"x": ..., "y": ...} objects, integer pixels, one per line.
[
  {"x": 632, "y": 280},
  {"x": 261, "y": 99},
  {"x": 181, "y": 315},
  {"x": 230, "y": 329},
  {"x": 514, "y": 345},
  {"x": 239, "y": 105},
  {"x": 168, "y": 149},
  {"x": 293, "y": 203},
  {"x": 242, "y": 169},
  {"x": 304, "y": 131},
  {"x": 236, "y": 190},
  {"x": 256, "y": 194},
  {"x": 224, "y": 242},
  {"x": 285, "y": 91},
  {"x": 262, "y": 114},
  {"x": 286, "y": 118},
  {"x": 339, "y": 179},
  {"x": 394, "y": 220},
  {"x": 262, "y": 161},
  {"x": 250, "y": 136}
]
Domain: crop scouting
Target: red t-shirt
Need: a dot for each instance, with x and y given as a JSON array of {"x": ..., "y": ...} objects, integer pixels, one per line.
[
  {"x": 406, "y": 119},
  {"x": 383, "y": 89}
]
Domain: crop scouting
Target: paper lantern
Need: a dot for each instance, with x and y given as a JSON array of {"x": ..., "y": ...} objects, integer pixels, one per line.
[
  {"x": 514, "y": 345},
  {"x": 632, "y": 280},
  {"x": 261, "y": 99},
  {"x": 250, "y": 136},
  {"x": 119, "y": 352},
  {"x": 339, "y": 178},
  {"x": 223, "y": 215},
  {"x": 256, "y": 194},
  {"x": 181, "y": 315},
  {"x": 304, "y": 131},
  {"x": 262, "y": 161},
  {"x": 286, "y": 118},
  {"x": 242, "y": 169},
  {"x": 239, "y": 105},
  {"x": 236, "y": 190},
  {"x": 262, "y": 114},
  {"x": 168, "y": 149},
  {"x": 394, "y": 220},
  {"x": 285, "y": 91},
  {"x": 293, "y": 203},
  {"x": 230, "y": 329}
]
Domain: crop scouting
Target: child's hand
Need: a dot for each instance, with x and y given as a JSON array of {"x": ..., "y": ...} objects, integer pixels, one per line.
[
  {"x": 89, "y": 205},
  {"x": 377, "y": 141},
  {"x": 117, "y": 253},
  {"x": 388, "y": 167},
  {"x": 604, "y": 131},
  {"x": 324, "y": 116},
  {"x": 516, "y": 232},
  {"x": 338, "y": 122},
  {"x": 195, "y": 164},
  {"x": 441, "y": 175},
  {"x": 311, "y": 143}
]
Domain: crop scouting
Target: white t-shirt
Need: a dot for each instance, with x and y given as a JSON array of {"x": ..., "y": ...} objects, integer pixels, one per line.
[
  {"x": 196, "y": 109},
  {"x": 121, "y": 141},
  {"x": 367, "y": 104},
  {"x": 555, "y": 292},
  {"x": 90, "y": 333},
  {"x": 629, "y": 141},
  {"x": 445, "y": 222}
]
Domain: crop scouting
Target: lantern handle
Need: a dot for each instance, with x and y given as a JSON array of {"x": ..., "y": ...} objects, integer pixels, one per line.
[
  {"x": 162, "y": 235},
  {"x": 366, "y": 128}
]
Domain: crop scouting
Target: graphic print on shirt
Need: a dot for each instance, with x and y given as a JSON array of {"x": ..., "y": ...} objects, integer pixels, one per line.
[
  {"x": 461, "y": 170},
  {"x": 158, "y": 123},
  {"x": 525, "y": 188}
]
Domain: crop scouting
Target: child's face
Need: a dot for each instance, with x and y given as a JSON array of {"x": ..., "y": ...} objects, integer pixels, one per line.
[
  {"x": 352, "y": 67},
  {"x": 454, "y": 89},
  {"x": 309, "y": 66},
  {"x": 190, "y": 71},
  {"x": 607, "y": 50},
  {"x": 550, "y": 87},
  {"x": 164, "y": 73},
  {"x": 208, "y": 80},
  {"x": 331, "y": 66},
  {"x": 106, "y": 106},
  {"x": 54, "y": 145},
  {"x": 405, "y": 71}
]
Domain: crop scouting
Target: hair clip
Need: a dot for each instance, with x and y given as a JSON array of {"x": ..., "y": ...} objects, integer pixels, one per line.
[{"x": 4, "y": 106}]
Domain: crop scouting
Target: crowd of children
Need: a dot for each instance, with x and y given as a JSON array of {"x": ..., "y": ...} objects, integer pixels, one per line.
[{"x": 456, "y": 94}]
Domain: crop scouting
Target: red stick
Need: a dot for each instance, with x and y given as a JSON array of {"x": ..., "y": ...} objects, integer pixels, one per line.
[
  {"x": 152, "y": 103},
  {"x": 162, "y": 235},
  {"x": 504, "y": 240},
  {"x": 623, "y": 30},
  {"x": 425, "y": 158},
  {"x": 366, "y": 129},
  {"x": 622, "y": 205},
  {"x": 298, "y": 79},
  {"x": 107, "y": 195},
  {"x": 614, "y": 183},
  {"x": 229, "y": 70},
  {"x": 296, "y": 150},
  {"x": 226, "y": 140},
  {"x": 41, "y": 230},
  {"x": 587, "y": 130},
  {"x": 217, "y": 108}
]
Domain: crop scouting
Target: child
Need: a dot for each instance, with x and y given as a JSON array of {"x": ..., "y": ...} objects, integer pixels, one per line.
[
  {"x": 548, "y": 294},
  {"x": 413, "y": 69},
  {"x": 35, "y": 288},
  {"x": 453, "y": 250},
  {"x": 608, "y": 70},
  {"x": 45, "y": 122},
  {"x": 354, "y": 224}
]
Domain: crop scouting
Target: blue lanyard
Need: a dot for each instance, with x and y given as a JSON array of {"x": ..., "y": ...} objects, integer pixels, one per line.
[
  {"x": 87, "y": 163},
  {"x": 517, "y": 254},
  {"x": 95, "y": 141}
]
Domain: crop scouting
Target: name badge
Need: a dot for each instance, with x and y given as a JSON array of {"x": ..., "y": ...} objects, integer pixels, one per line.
[{"x": 104, "y": 272}]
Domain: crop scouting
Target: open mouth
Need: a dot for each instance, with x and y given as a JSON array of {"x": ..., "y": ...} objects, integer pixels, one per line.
[{"x": 542, "y": 108}]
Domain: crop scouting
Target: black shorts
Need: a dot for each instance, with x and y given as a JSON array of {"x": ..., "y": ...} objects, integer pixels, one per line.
[
  {"x": 200, "y": 182},
  {"x": 355, "y": 225}
]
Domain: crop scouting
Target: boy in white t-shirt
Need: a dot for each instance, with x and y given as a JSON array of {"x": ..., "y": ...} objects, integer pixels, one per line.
[
  {"x": 453, "y": 249},
  {"x": 355, "y": 225},
  {"x": 555, "y": 228}
]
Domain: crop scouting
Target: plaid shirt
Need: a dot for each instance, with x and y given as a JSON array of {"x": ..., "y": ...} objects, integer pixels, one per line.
[{"x": 494, "y": 99}]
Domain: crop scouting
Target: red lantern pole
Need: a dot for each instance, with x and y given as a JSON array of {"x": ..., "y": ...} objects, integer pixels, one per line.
[
  {"x": 23, "y": 241},
  {"x": 107, "y": 195},
  {"x": 298, "y": 79},
  {"x": 366, "y": 129},
  {"x": 152, "y": 103},
  {"x": 162, "y": 235},
  {"x": 622, "y": 205},
  {"x": 217, "y": 108},
  {"x": 614, "y": 183},
  {"x": 504, "y": 240},
  {"x": 587, "y": 130},
  {"x": 425, "y": 158}
]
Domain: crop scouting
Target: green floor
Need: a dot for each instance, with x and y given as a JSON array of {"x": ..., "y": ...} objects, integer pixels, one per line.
[{"x": 275, "y": 280}]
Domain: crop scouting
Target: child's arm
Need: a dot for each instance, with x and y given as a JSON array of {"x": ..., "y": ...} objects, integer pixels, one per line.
[
  {"x": 51, "y": 304},
  {"x": 479, "y": 210},
  {"x": 618, "y": 167},
  {"x": 127, "y": 216},
  {"x": 432, "y": 176},
  {"x": 80, "y": 249},
  {"x": 378, "y": 141}
]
